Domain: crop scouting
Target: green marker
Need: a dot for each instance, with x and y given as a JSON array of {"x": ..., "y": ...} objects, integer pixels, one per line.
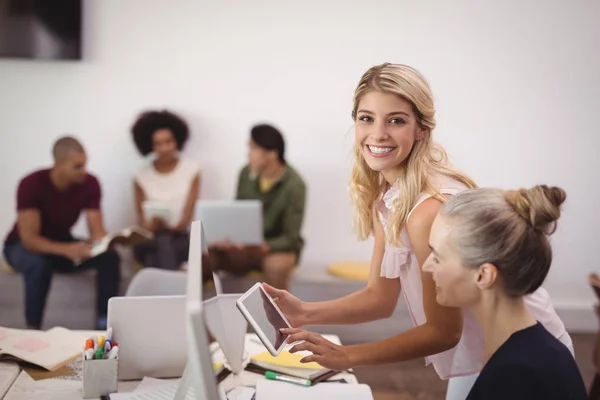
[
  {"x": 99, "y": 353},
  {"x": 284, "y": 378}
]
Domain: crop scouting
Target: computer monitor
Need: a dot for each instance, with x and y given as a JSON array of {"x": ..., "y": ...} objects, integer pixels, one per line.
[{"x": 199, "y": 373}]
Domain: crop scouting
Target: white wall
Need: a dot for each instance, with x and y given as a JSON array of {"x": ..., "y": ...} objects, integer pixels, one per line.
[{"x": 516, "y": 84}]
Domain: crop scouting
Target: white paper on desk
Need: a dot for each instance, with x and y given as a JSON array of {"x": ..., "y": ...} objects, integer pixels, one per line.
[
  {"x": 8, "y": 373},
  {"x": 153, "y": 384},
  {"x": 146, "y": 385},
  {"x": 241, "y": 393},
  {"x": 274, "y": 390}
]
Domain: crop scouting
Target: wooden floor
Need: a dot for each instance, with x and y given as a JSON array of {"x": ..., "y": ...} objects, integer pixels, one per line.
[{"x": 413, "y": 381}]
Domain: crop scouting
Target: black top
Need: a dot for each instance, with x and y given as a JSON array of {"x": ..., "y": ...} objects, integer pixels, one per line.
[{"x": 531, "y": 364}]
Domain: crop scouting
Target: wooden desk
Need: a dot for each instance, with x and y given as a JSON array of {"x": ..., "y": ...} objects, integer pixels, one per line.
[{"x": 25, "y": 388}]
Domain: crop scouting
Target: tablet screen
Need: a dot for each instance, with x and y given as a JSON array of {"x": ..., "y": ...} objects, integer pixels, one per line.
[{"x": 266, "y": 316}]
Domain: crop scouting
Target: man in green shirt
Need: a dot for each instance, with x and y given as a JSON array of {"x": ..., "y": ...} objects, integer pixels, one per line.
[{"x": 282, "y": 191}]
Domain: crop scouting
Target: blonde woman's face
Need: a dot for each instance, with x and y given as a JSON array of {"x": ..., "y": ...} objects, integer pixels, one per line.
[{"x": 386, "y": 130}]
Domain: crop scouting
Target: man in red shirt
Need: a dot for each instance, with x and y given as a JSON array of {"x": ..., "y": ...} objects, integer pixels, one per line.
[{"x": 49, "y": 203}]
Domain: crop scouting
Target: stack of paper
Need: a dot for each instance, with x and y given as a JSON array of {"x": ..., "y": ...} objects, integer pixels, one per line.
[
  {"x": 51, "y": 349},
  {"x": 270, "y": 390}
]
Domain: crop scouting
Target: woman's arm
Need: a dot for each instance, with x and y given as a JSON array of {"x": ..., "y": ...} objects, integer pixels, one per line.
[
  {"x": 443, "y": 328},
  {"x": 140, "y": 196},
  {"x": 190, "y": 204},
  {"x": 441, "y": 332},
  {"x": 376, "y": 301}
]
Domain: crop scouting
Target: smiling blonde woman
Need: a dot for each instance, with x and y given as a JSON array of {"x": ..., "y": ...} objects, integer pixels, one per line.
[{"x": 400, "y": 180}]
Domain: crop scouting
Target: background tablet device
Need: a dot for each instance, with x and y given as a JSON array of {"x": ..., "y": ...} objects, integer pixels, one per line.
[{"x": 260, "y": 311}]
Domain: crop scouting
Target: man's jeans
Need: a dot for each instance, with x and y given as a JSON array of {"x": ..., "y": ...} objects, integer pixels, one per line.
[{"x": 37, "y": 270}]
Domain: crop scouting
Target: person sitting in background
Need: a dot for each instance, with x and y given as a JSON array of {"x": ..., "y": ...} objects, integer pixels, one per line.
[
  {"x": 282, "y": 191},
  {"x": 169, "y": 181},
  {"x": 49, "y": 202}
]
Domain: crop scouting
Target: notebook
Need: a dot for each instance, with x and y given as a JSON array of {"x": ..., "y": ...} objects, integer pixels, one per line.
[
  {"x": 289, "y": 364},
  {"x": 127, "y": 237},
  {"x": 50, "y": 350}
]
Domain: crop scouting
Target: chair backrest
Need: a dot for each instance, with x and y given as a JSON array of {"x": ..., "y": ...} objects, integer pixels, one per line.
[
  {"x": 594, "y": 280},
  {"x": 157, "y": 282}
]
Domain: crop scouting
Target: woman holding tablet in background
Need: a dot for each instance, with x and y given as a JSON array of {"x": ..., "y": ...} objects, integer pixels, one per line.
[
  {"x": 169, "y": 181},
  {"x": 400, "y": 179}
]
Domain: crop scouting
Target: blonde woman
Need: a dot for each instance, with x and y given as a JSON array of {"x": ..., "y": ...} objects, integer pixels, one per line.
[
  {"x": 400, "y": 179},
  {"x": 490, "y": 248}
]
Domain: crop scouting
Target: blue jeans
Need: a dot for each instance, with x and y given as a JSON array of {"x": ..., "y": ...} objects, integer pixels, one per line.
[{"x": 37, "y": 270}]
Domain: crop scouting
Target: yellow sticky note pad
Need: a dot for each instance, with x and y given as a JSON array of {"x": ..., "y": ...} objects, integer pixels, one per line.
[{"x": 285, "y": 359}]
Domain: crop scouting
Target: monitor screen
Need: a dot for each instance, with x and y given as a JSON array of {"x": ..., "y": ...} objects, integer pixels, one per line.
[{"x": 41, "y": 29}]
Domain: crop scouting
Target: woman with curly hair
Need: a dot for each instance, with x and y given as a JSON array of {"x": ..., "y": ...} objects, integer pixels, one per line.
[{"x": 168, "y": 180}]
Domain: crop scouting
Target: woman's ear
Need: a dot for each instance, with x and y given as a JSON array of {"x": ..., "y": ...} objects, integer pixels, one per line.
[
  {"x": 421, "y": 133},
  {"x": 273, "y": 155},
  {"x": 487, "y": 275}
]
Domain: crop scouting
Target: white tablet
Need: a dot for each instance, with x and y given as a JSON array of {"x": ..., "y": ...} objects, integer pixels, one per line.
[
  {"x": 265, "y": 317},
  {"x": 159, "y": 209}
]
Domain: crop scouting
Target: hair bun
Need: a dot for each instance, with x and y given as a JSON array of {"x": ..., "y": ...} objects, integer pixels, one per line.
[{"x": 539, "y": 206}]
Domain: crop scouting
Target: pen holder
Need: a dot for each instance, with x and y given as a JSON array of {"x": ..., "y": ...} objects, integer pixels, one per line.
[{"x": 99, "y": 377}]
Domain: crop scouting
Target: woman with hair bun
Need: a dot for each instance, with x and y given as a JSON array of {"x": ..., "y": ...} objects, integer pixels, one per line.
[{"x": 490, "y": 250}]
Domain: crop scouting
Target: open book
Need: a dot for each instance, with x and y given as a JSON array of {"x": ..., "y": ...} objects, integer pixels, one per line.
[
  {"x": 127, "y": 237},
  {"x": 51, "y": 349},
  {"x": 289, "y": 364}
]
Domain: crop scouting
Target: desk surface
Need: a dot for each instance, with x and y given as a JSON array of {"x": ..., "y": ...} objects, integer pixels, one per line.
[{"x": 25, "y": 388}]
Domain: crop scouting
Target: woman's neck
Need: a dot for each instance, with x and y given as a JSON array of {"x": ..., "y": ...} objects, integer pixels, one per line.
[
  {"x": 164, "y": 166},
  {"x": 500, "y": 316},
  {"x": 391, "y": 176}
]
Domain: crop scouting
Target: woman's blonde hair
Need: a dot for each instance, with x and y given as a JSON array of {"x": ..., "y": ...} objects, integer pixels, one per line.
[
  {"x": 424, "y": 160},
  {"x": 508, "y": 229}
]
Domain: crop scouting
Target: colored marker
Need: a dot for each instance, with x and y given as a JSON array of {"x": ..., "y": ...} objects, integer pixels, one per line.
[
  {"x": 284, "y": 378},
  {"x": 107, "y": 345},
  {"x": 114, "y": 352},
  {"x": 101, "y": 341},
  {"x": 89, "y": 344},
  {"x": 95, "y": 339},
  {"x": 89, "y": 354},
  {"x": 99, "y": 353}
]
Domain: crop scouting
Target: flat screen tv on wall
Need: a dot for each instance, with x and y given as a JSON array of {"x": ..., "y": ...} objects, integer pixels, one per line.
[{"x": 41, "y": 29}]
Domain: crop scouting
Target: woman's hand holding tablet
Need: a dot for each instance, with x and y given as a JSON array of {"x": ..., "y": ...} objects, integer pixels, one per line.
[{"x": 261, "y": 312}]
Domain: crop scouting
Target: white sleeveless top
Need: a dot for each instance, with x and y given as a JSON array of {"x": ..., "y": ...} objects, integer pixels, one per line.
[
  {"x": 170, "y": 189},
  {"x": 400, "y": 262}
]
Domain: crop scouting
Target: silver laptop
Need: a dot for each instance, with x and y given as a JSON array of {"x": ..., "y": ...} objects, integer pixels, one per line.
[
  {"x": 151, "y": 334},
  {"x": 239, "y": 221}
]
